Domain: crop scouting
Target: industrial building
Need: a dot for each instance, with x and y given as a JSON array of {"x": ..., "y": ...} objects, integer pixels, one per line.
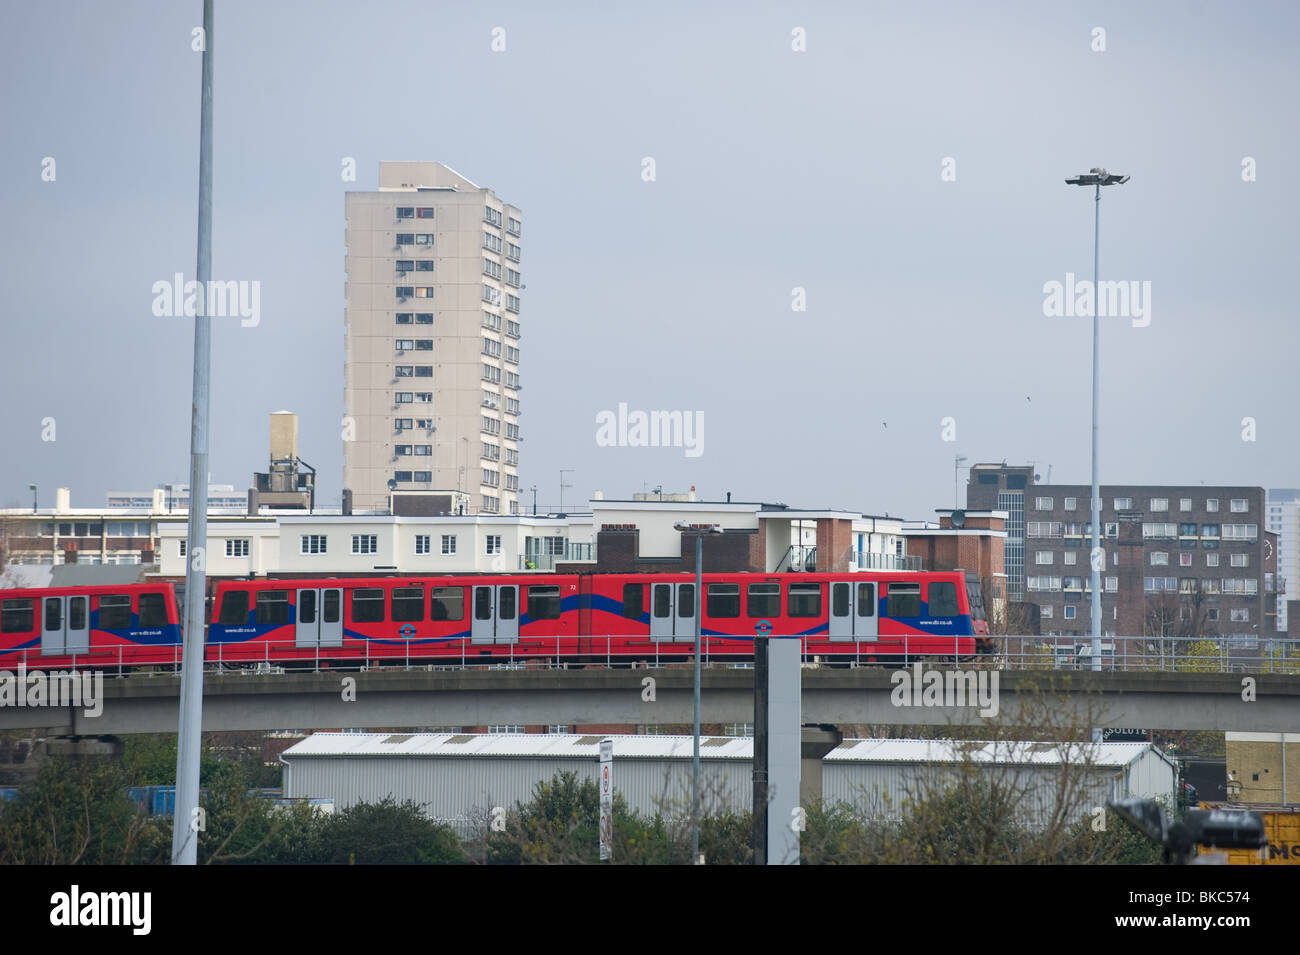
[{"x": 460, "y": 778}]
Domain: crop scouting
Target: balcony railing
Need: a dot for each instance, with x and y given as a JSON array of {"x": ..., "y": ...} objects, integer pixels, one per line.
[{"x": 869, "y": 560}]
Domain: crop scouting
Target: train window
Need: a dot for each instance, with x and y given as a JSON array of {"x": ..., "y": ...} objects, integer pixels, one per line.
[
  {"x": 544, "y": 603},
  {"x": 408, "y": 604},
  {"x": 53, "y": 613},
  {"x": 447, "y": 603},
  {"x": 77, "y": 613},
  {"x": 482, "y": 603},
  {"x": 368, "y": 605},
  {"x": 839, "y": 600},
  {"x": 307, "y": 606},
  {"x": 904, "y": 600},
  {"x": 272, "y": 607},
  {"x": 764, "y": 600},
  {"x": 805, "y": 600},
  {"x": 17, "y": 615},
  {"x": 866, "y": 600},
  {"x": 506, "y": 603},
  {"x": 153, "y": 611},
  {"x": 633, "y": 601},
  {"x": 724, "y": 600},
  {"x": 234, "y": 608},
  {"x": 943, "y": 599},
  {"x": 662, "y": 600},
  {"x": 333, "y": 606},
  {"x": 686, "y": 600},
  {"x": 115, "y": 612}
]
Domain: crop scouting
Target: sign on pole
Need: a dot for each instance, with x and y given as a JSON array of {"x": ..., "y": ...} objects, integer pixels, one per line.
[{"x": 606, "y": 799}]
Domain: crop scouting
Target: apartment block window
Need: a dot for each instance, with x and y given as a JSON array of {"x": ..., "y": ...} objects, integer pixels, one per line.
[
  {"x": 492, "y": 216},
  {"x": 512, "y": 457},
  {"x": 423, "y": 450},
  {"x": 491, "y": 425},
  {"x": 491, "y": 373},
  {"x": 1043, "y": 557},
  {"x": 1239, "y": 505},
  {"x": 512, "y": 250},
  {"x": 1111, "y": 585},
  {"x": 421, "y": 544},
  {"x": 1184, "y": 503},
  {"x": 491, "y": 451},
  {"x": 425, "y": 423},
  {"x": 512, "y": 380},
  {"x": 402, "y": 424},
  {"x": 1072, "y": 583},
  {"x": 491, "y": 505},
  {"x": 424, "y": 318},
  {"x": 1045, "y": 611},
  {"x": 491, "y": 348},
  {"x": 512, "y": 329},
  {"x": 1042, "y": 529},
  {"x": 405, "y": 318},
  {"x": 404, "y": 371},
  {"x": 491, "y": 295},
  {"x": 1070, "y": 612},
  {"x": 1212, "y": 614},
  {"x": 492, "y": 543},
  {"x": 1071, "y": 503},
  {"x": 515, "y": 226},
  {"x": 424, "y": 344},
  {"x": 423, "y": 371},
  {"x": 491, "y": 269},
  {"x": 182, "y": 547},
  {"x": 405, "y": 291},
  {"x": 402, "y": 450},
  {"x": 1043, "y": 503},
  {"x": 1070, "y": 557},
  {"x": 491, "y": 478},
  {"x": 502, "y": 728},
  {"x": 1043, "y": 584},
  {"x": 492, "y": 320},
  {"x": 424, "y": 238},
  {"x": 405, "y": 265},
  {"x": 1159, "y": 503},
  {"x": 1240, "y": 532},
  {"x": 513, "y": 278},
  {"x": 512, "y": 406},
  {"x": 406, "y": 238},
  {"x": 491, "y": 242},
  {"x": 512, "y": 482},
  {"x": 1108, "y": 530},
  {"x": 1184, "y": 560},
  {"x": 449, "y": 543},
  {"x": 1159, "y": 558},
  {"x": 405, "y": 344},
  {"x": 1160, "y": 531},
  {"x": 424, "y": 291},
  {"x": 424, "y": 397},
  {"x": 365, "y": 543},
  {"x": 1211, "y": 560},
  {"x": 424, "y": 265},
  {"x": 491, "y": 400},
  {"x": 405, "y": 212},
  {"x": 1073, "y": 529},
  {"x": 1239, "y": 616},
  {"x": 237, "y": 547},
  {"x": 1212, "y": 504},
  {"x": 512, "y": 303},
  {"x": 423, "y": 477},
  {"x": 424, "y": 213},
  {"x": 402, "y": 398},
  {"x": 512, "y": 354},
  {"x": 1239, "y": 560},
  {"x": 402, "y": 476},
  {"x": 512, "y": 431},
  {"x": 1123, "y": 503}
]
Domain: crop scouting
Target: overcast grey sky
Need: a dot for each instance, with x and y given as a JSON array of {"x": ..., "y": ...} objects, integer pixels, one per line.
[{"x": 775, "y": 169}]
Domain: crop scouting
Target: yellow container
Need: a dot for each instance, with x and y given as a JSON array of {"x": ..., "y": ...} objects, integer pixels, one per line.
[{"x": 1281, "y": 825}]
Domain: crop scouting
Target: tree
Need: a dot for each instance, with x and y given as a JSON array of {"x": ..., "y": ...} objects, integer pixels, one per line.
[{"x": 387, "y": 833}]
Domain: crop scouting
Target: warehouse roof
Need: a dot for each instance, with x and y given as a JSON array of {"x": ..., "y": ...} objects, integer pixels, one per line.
[{"x": 573, "y": 746}]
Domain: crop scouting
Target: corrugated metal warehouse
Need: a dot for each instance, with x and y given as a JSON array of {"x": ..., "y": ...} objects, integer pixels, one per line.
[{"x": 460, "y": 778}]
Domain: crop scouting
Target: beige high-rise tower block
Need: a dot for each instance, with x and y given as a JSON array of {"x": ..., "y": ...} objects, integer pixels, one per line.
[{"x": 432, "y": 339}]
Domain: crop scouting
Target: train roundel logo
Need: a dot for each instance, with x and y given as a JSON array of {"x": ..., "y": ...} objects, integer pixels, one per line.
[
  {"x": 407, "y": 630},
  {"x": 763, "y": 627}
]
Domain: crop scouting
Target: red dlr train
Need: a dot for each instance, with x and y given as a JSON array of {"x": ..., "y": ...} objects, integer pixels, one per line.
[{"x": 352, "y": 621}]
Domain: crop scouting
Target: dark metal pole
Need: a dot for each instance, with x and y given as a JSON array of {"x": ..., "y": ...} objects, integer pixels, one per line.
[
  {"x": 189, "y": 737},
  {"x": 695, "y": 762},
  {"x": 760, "y": 750}
]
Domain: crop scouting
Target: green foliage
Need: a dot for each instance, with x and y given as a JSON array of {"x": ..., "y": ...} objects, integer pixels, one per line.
[
  {"x": 385, "y": 833},
  {"x": 74, "y": 812}
]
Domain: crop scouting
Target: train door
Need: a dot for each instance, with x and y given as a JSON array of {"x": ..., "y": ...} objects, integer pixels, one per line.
[
  {"x": 319, "y": 622},
  {"x": 853, "y": 611},
  {"x": 672, "y": 612},
  {"x": 65, "y": 625},
  {"x": 496, "y": 614}
]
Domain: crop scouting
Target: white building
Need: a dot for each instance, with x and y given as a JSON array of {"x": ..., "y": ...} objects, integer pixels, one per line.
[{"x": 1283, "y": 519}]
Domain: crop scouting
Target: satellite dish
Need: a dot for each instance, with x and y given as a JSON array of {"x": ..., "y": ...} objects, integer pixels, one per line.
[
  {"x": 958, "y": 518},
  {"x": 392, "y": 484}
]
